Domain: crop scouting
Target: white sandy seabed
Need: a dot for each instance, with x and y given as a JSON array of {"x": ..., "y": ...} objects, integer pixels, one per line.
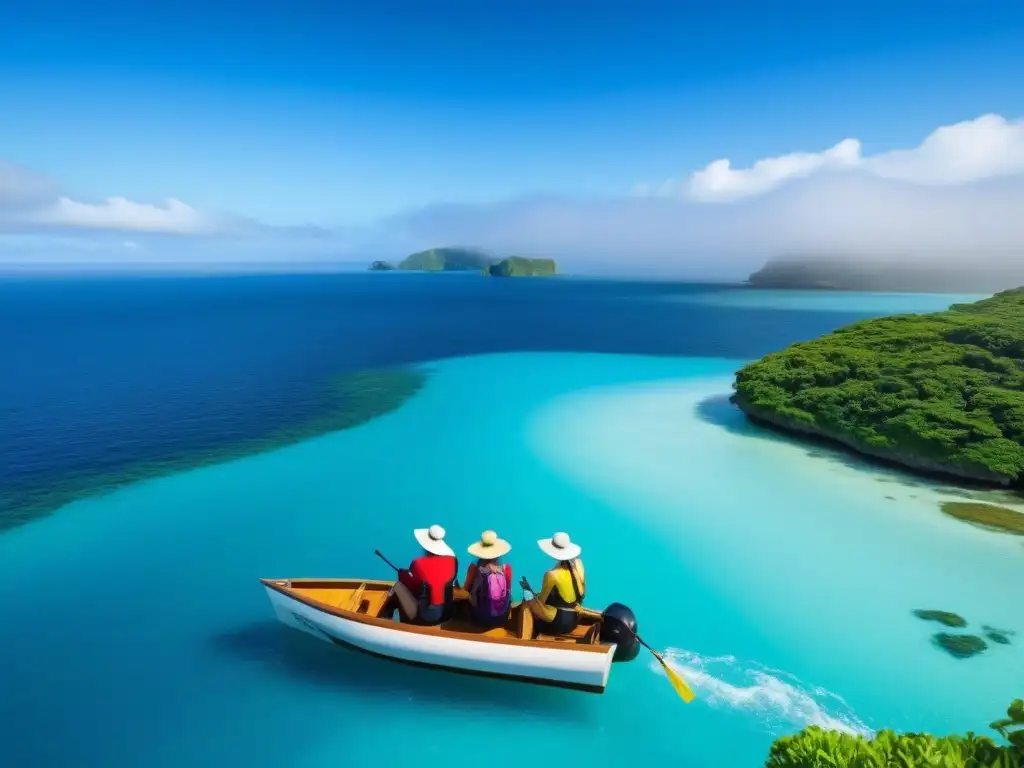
[{"x": 825, "y": 555}]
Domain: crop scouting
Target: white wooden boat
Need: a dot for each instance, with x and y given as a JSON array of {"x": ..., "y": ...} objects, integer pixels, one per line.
[{"x": 359, "y": 614}]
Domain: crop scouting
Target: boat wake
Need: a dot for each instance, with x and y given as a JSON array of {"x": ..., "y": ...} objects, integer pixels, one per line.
[{"x": 779, "y": 700}]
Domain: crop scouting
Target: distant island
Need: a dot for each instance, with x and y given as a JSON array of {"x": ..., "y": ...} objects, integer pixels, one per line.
[
  {"x": 903, "y": 276},
  {"x": 941, "y": 393},
  {"x": 469, "y": 260}
]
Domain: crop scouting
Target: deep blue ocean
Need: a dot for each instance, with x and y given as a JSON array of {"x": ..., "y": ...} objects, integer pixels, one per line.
[
  {"x": 109, "y": 370},
  {"x": 135, "y": 632}
]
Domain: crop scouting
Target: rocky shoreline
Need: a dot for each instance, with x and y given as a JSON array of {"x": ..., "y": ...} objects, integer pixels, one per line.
[{"x": 935, "y": 469}]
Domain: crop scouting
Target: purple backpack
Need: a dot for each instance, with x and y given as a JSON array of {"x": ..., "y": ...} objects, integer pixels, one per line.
[{"x": 492, "y": 597}]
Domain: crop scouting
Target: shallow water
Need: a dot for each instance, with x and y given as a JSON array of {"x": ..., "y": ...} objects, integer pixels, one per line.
[{"x": 782, "y": 578}]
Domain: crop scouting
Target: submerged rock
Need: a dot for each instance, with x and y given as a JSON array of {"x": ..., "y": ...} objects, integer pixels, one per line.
[
  {"x": 960, "y": 646},
  {"x": 1000, "y": 636},
  {"x": 947, "y": 618}
]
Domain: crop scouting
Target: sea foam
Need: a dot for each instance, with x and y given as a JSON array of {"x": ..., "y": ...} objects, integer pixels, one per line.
[{"x": 779, "y": 701}]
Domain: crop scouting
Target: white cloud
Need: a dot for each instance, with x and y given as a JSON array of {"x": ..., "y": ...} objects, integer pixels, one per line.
[
  {"x": 33, "y": 200},
  {"x": 174, "y": 217},
  {"x": 987, "y": 147},
  {"x": 719, "y": 181}
]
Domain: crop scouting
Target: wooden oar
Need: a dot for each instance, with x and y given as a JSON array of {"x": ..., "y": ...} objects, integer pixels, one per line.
[
  {"x": 678, "y": 684},
  {"x": 378, "y": 554}
]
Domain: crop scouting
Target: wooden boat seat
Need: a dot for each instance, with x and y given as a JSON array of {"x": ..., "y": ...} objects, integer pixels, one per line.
[
  {"x": 580, "y": 635},
  {"x": 524, "y": 622},
  {"x": 356, "y": 601},
  {"x": 587, "y": 634}
]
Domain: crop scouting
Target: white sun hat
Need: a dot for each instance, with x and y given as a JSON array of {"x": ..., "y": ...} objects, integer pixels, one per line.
[
  {"x": 490, "y": 547},
  {"x": 432, "y": 540},
  {"x": 560, "y": 547}
]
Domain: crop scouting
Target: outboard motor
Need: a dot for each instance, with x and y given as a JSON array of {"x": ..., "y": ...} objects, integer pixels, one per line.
[{"x": 618, "y": 625}]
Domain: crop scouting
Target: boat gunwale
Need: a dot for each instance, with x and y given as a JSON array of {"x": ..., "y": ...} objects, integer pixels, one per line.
[{"x": 279, "y": 585}]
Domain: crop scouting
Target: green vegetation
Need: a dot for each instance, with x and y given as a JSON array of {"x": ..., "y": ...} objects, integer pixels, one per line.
[
  {"x": 960, "y": 646},
  {"x": 940, "y": 392},
  {"x": 347, "y": 401},
  {"x": 846, "y": 273},
  {"x": 943, "y": 617},
  {"x": 815, "y": 747},
  {"x": 519, "y": 266},
  {"x": 470, "y": 260},
  {"x": 1011, "y": 727},
  {"x": 986, "y": 515},
  {"x": 446, "y": 260}
]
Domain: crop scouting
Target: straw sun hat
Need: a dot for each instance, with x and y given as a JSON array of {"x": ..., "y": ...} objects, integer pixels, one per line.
[
  {"x": 490, "y": 547},
  {"x": 432, "y": 540},
  {"x": 560, "y": 547}
]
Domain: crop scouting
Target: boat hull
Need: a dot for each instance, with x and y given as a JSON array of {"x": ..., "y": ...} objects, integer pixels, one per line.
[{"x": 536, "y": 663}]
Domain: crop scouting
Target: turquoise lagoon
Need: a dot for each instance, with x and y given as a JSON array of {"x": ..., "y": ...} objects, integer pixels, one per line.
[{"x": 782, "y": 579}]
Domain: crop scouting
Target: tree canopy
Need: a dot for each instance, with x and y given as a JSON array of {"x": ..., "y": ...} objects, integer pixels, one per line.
[{"x": 942, "y": 391}]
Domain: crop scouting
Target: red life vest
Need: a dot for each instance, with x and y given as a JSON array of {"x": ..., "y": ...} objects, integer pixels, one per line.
[{"x": 436, "y": 572}]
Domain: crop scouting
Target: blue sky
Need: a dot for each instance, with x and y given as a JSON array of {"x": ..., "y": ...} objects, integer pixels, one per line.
[{"x": 349, "y": 116}]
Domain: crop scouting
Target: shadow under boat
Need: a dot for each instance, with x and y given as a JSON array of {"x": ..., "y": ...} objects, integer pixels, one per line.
[{"x": 310, "y": 661}]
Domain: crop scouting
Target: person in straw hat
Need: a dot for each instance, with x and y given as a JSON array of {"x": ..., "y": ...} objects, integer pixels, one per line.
[
  {"x": 563, "y": 588},
  {"x": 425, "y": 589},
  {"x": 488, "y": 580}
]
